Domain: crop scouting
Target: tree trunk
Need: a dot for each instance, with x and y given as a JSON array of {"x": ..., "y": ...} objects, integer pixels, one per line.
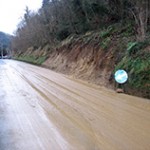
[
  {"x": 141, "y": 13},
  {"x": 142, "y": 25}
]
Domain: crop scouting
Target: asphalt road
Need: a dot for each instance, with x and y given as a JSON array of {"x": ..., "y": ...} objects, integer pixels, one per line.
[{"x": 44, "y": 110}]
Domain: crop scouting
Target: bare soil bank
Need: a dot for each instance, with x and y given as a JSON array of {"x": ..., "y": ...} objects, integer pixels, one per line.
[{"x": 92, "y": 57}]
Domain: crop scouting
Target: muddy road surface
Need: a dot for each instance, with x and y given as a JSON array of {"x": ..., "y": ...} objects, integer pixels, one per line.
[{"x": 44, "y": 110}]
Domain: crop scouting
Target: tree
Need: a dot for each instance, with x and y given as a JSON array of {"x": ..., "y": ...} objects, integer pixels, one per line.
[
  {"x": 57, "y": 19},
  {"x": 140, "y": 10},
  {"x": 45, "y": 3},
  {"x": 5, "y": 42}
]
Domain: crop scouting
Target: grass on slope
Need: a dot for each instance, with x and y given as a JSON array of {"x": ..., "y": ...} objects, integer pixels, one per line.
[{"x": 32, "y": 59}]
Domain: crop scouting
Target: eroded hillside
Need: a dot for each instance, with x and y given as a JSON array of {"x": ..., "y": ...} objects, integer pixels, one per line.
[{"x": 96, "y": 55}]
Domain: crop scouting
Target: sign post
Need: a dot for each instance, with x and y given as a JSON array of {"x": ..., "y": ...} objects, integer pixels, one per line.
[{"x": 121, "y": 77}]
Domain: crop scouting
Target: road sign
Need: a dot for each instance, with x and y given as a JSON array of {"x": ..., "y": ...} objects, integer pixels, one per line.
[{"x": 121, "y": 76}]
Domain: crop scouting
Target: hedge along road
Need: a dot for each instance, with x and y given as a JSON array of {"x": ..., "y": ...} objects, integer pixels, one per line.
[{"x": 44, "y": 110}]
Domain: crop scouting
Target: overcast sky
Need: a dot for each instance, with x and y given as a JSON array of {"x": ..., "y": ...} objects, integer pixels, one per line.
[{"x": 11, "y": 12}]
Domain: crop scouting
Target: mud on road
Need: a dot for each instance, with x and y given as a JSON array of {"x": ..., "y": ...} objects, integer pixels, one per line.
[{"x": 44, "y": 110}]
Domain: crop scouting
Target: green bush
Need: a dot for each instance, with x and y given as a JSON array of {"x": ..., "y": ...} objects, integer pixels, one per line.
[
  {"x": 134, "y": 47},
  {"x": 32, "y": 59},
  {"x": 107, "y": 32},
  {"x": 105, "y": 43},
  {"x": 137, "y": 66}
]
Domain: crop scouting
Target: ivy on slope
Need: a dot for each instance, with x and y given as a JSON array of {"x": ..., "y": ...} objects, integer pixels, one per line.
[{"x": 137, "y": 63}]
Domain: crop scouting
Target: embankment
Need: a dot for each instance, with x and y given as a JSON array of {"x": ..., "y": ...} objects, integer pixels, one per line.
[{"x": 96, "y": 55}]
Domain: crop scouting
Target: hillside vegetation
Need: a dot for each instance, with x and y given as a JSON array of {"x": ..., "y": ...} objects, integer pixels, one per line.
[
  {"x": 5, "y": 41},
  {"x": 90, "y": 40}
]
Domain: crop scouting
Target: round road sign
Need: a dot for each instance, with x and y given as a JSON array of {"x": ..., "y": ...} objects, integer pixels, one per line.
[{"x": 121, "y": 76}]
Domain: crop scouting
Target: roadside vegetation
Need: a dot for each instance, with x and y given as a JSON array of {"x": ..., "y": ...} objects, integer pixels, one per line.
[
  {"x": 136, "y": 62},
  {"x": 32, "y": 59},
  {"x": 5, "y": 44},
  {"x": 111, "y": 35}
]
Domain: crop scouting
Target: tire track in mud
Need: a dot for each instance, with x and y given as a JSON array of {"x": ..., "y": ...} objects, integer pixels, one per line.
[{"x": 86, "y": 118}]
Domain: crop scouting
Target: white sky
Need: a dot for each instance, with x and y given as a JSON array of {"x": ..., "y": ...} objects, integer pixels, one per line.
[{"x": 11, "y": 12}]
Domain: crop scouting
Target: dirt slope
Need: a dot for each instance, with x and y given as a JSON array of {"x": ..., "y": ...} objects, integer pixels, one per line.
[
  {"x": 85, "y": 58},
  {"x": 94, "y": 56}
]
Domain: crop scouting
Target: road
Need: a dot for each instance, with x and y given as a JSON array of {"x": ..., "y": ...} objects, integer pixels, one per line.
[{"x": 44, "y": 110}]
